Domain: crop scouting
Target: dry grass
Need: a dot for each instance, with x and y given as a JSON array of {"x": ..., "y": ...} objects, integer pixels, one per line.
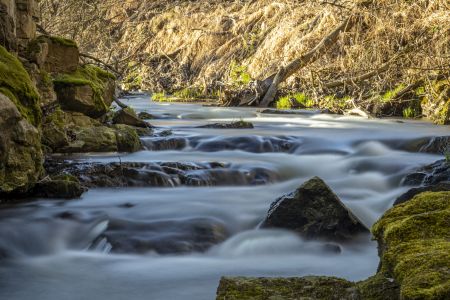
[{"x": 174, "y": 44}]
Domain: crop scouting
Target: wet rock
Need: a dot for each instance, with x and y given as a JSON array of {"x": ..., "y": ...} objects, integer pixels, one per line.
[
  {"x": 330, "y": 288},
  {"x": 165, "y": 237},
  {"x": 163, "y": 144},
  {"x": 234, "y": 125},
  {"x": 440, "y": 187},
  {"x": 129, "y": 117},
  {"x": 164, "y": 174},
  {"x": 314, "y": 211},
  {"x": 145, "y": 116},
  {"x": 292, "y": 112},
  {"x": 437, "y": 145},
  {"x": 67, "y": 187},
  {"x": 253, "y": 144},
  {"x": 429, "y": 175},
  {"x": 127, "y": 139}
]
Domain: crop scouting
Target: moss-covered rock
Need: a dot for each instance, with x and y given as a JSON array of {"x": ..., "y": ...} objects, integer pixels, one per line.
[
  {"x": 21, "y": 157},
  {"x": 127, "y": 139},
  {"x": 71, "y": 132},
  {"x": 414, "y": 241},
  {"x": 240, "y": 288},
  {"x": 16, "y": 84},
  {"x": 89, "y": 90},
  {"x": 62, "y": 186}
]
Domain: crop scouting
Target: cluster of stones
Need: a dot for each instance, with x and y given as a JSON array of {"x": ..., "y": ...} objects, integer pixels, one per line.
[
  {"x": 50, "y": 103},
  {"x": 413, "y": 239}
]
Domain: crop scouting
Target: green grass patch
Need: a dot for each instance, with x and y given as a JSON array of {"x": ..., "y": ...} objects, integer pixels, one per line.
[
  {"x": 297, "y": 100},
  {"x": 239, "y": 74}
]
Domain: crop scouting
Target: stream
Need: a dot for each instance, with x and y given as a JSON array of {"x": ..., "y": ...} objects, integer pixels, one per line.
[{"x": 56, "y": 249}]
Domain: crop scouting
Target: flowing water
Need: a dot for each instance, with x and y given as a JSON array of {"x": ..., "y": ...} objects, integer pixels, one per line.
[{"x": 54, "y": 249}]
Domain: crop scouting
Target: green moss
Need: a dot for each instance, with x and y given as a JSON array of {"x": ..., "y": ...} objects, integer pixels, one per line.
[
  {"x": 284, "y": 288},
  {"x": 16, "y": 84},
  {"x": 93, "y": 76},
  {"x": 378, "y": 287},
  {"x": 410, "y": 112},
  {"x": 415, "y": 245},
  {"x": 391, "y": 94},
  {"x": 63, "y": 41},
  {"x": 239, "y": 75},
  {"x": 294, "y": 100},
  {"x": 127, "y": 138},
  {"x": 189, "y": 93},
  {"x": 160, "y": 97}
]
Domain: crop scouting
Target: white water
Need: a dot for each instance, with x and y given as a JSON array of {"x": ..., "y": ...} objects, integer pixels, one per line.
[{"x": 49, "y": 256}]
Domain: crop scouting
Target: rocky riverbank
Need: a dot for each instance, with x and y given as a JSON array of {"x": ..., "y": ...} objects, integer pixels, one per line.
[{"x": 52, "y": 102}]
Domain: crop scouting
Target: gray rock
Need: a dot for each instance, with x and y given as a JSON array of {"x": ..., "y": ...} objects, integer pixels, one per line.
[{"x": 314, "y": 211}]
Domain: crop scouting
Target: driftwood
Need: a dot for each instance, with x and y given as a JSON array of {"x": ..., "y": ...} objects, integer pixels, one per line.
[
  {"x": 120, "y": 103},
  {"x": 293, "y": 67},
  {"x": 357, "y": 79}
]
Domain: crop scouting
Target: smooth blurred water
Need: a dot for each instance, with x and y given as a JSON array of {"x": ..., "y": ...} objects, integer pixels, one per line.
[{"x": 48, "y": 256}]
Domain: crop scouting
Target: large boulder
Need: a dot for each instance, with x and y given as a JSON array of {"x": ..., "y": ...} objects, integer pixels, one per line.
[
  {"x": 54, "y": 54},
  {"x": 414, "y": 246},
  {"x": 21, "y": 157},
  {"x": 429, "y": 175},
  {"x": 89, "y": 90},
  {"x": 314, "y": 211}
]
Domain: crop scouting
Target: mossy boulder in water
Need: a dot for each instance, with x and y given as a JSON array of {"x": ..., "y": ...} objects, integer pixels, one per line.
[
  {"x": 63, "y": 186},
  {"x": 71, "y": 132},
  {"x": 89, "y": 90},
  {"x": 21, "y": 157},
  {"x": 414, "y": 242},
  {"x": 314, "y": 211},
  {"x": 54, "y": 54}
]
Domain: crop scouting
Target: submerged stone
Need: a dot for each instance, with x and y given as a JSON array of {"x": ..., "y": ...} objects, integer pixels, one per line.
[
  {"x": 314, "y": 211},
  {"x": 234, "y": 125},
  {"x": 67, "y": 187}
]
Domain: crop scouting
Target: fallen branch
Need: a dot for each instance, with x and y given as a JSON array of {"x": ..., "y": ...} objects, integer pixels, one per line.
[{"x": 357, "y": 79}]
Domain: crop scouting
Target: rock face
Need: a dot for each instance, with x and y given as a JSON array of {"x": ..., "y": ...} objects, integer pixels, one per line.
[
  {"x": 26, "y": 15},
  {"x": 20, "y": 152},
  {"x": 65, "y": 186},
  {"x": 54, "y": 54},
  {"x": 7, "y": 22},
  {"x": 314, "y": 211}
]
